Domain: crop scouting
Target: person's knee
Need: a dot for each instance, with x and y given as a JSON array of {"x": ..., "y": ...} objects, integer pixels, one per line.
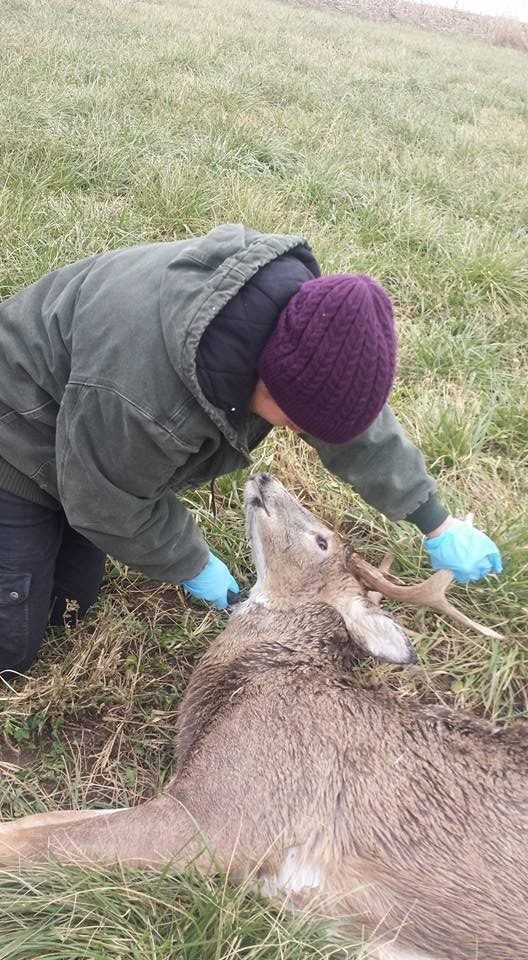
[
  {"x": 21, "y": 634},
  {"x": 29, "y": 543}
]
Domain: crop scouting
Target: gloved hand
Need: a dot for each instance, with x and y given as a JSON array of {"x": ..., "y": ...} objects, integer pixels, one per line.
[
  {"x": 212, "y": 583},
  {"x": 464, "y": 550}
]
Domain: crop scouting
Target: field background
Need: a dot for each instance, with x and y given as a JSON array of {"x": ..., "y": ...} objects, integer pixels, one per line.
[
  {"x": 501, "y": 31},
  {"x": 398, "y": 152}
]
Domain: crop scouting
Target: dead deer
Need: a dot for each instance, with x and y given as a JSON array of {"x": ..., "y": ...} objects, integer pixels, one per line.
[{"x": 407, "y": 822}]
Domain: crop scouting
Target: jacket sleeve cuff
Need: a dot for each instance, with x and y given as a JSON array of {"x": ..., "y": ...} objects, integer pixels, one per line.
[{"x": 429, "y": 515}]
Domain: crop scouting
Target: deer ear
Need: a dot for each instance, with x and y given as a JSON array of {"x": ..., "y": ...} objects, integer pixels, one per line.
[{"x": 375, "y": 631}]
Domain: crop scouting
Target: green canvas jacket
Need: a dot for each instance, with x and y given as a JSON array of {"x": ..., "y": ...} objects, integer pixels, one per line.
[{"x": 101, "y": 411}]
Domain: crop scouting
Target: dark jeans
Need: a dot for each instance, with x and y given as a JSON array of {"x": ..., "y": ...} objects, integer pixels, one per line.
[{"x": 43, "y": 563}]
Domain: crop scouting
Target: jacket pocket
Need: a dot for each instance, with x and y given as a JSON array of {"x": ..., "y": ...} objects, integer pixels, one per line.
[{"x": 14, "y": 614}]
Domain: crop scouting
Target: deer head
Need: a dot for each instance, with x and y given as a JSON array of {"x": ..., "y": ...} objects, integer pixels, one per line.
[{"x": 298, "y": 558}]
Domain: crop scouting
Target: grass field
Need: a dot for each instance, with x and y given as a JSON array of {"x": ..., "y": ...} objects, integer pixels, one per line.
[
  {"x": 502, "y": 31},
  {"x": 397, "y": 152}
]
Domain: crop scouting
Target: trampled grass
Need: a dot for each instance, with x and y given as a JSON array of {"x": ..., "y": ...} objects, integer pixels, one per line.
[{"x": 396, "y": 152}]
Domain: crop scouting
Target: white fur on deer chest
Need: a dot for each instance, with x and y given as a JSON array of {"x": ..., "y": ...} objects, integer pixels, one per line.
[
  {"x": 297, "y": 873},
  {"x": 256, "y": 596},
  {"x": 393, "y": 952}
]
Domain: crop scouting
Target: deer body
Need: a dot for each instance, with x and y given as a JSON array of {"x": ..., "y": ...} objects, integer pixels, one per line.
[{"x": 408, "y": 822}]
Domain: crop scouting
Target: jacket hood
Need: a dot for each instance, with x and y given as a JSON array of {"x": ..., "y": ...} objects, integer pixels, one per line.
[
  {"x": 228, "y": 355},
  {"x": 204, "y": 275}
]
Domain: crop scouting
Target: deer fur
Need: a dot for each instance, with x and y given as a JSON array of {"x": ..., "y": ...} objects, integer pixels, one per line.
[{"x": 408, "y": 822}]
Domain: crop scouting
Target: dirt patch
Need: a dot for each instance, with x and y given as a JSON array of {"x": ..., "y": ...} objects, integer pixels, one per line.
[
  {"x": 500, "y": 31},
  {"x": 161, "y": 603}
]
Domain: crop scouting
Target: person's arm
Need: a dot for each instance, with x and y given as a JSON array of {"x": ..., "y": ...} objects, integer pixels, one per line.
[
  {"x": 114, "y": 465},
  {"x": 389, "y": 473}
]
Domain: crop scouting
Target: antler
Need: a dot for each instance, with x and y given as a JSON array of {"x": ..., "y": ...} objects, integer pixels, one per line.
[{"x": 430, "y": 593}]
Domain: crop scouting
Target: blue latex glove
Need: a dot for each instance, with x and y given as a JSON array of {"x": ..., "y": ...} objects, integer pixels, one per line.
[
  {"x": 212, "y": 583},
  {"x": 464, "y": 550}
]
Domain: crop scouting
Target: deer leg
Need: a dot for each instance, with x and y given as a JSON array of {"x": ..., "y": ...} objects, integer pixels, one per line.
[{"x": 151, "y": 834}]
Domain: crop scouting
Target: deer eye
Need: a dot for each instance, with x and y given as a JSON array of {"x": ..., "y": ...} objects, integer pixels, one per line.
[{"x": 321, "y": 542}]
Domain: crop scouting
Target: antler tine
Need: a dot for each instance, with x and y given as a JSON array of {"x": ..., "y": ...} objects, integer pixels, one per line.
[
  {"x": 375, "y": 596},
  {"x": 430, "y": 593}
]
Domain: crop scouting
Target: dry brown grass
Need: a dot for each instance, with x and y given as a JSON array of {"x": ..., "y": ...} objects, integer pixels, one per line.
[
  {"x": 500, "y": 31},
  {"x": 506, "y": 32}
]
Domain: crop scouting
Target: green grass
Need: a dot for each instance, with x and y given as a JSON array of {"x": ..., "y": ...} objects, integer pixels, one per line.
[
  {"x": 396, "y": 152},
  {"x": 69, "y": 915}
]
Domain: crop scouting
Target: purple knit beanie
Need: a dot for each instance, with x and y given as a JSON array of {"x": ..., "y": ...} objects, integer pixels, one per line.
[{"x": 330, "y": 362}]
